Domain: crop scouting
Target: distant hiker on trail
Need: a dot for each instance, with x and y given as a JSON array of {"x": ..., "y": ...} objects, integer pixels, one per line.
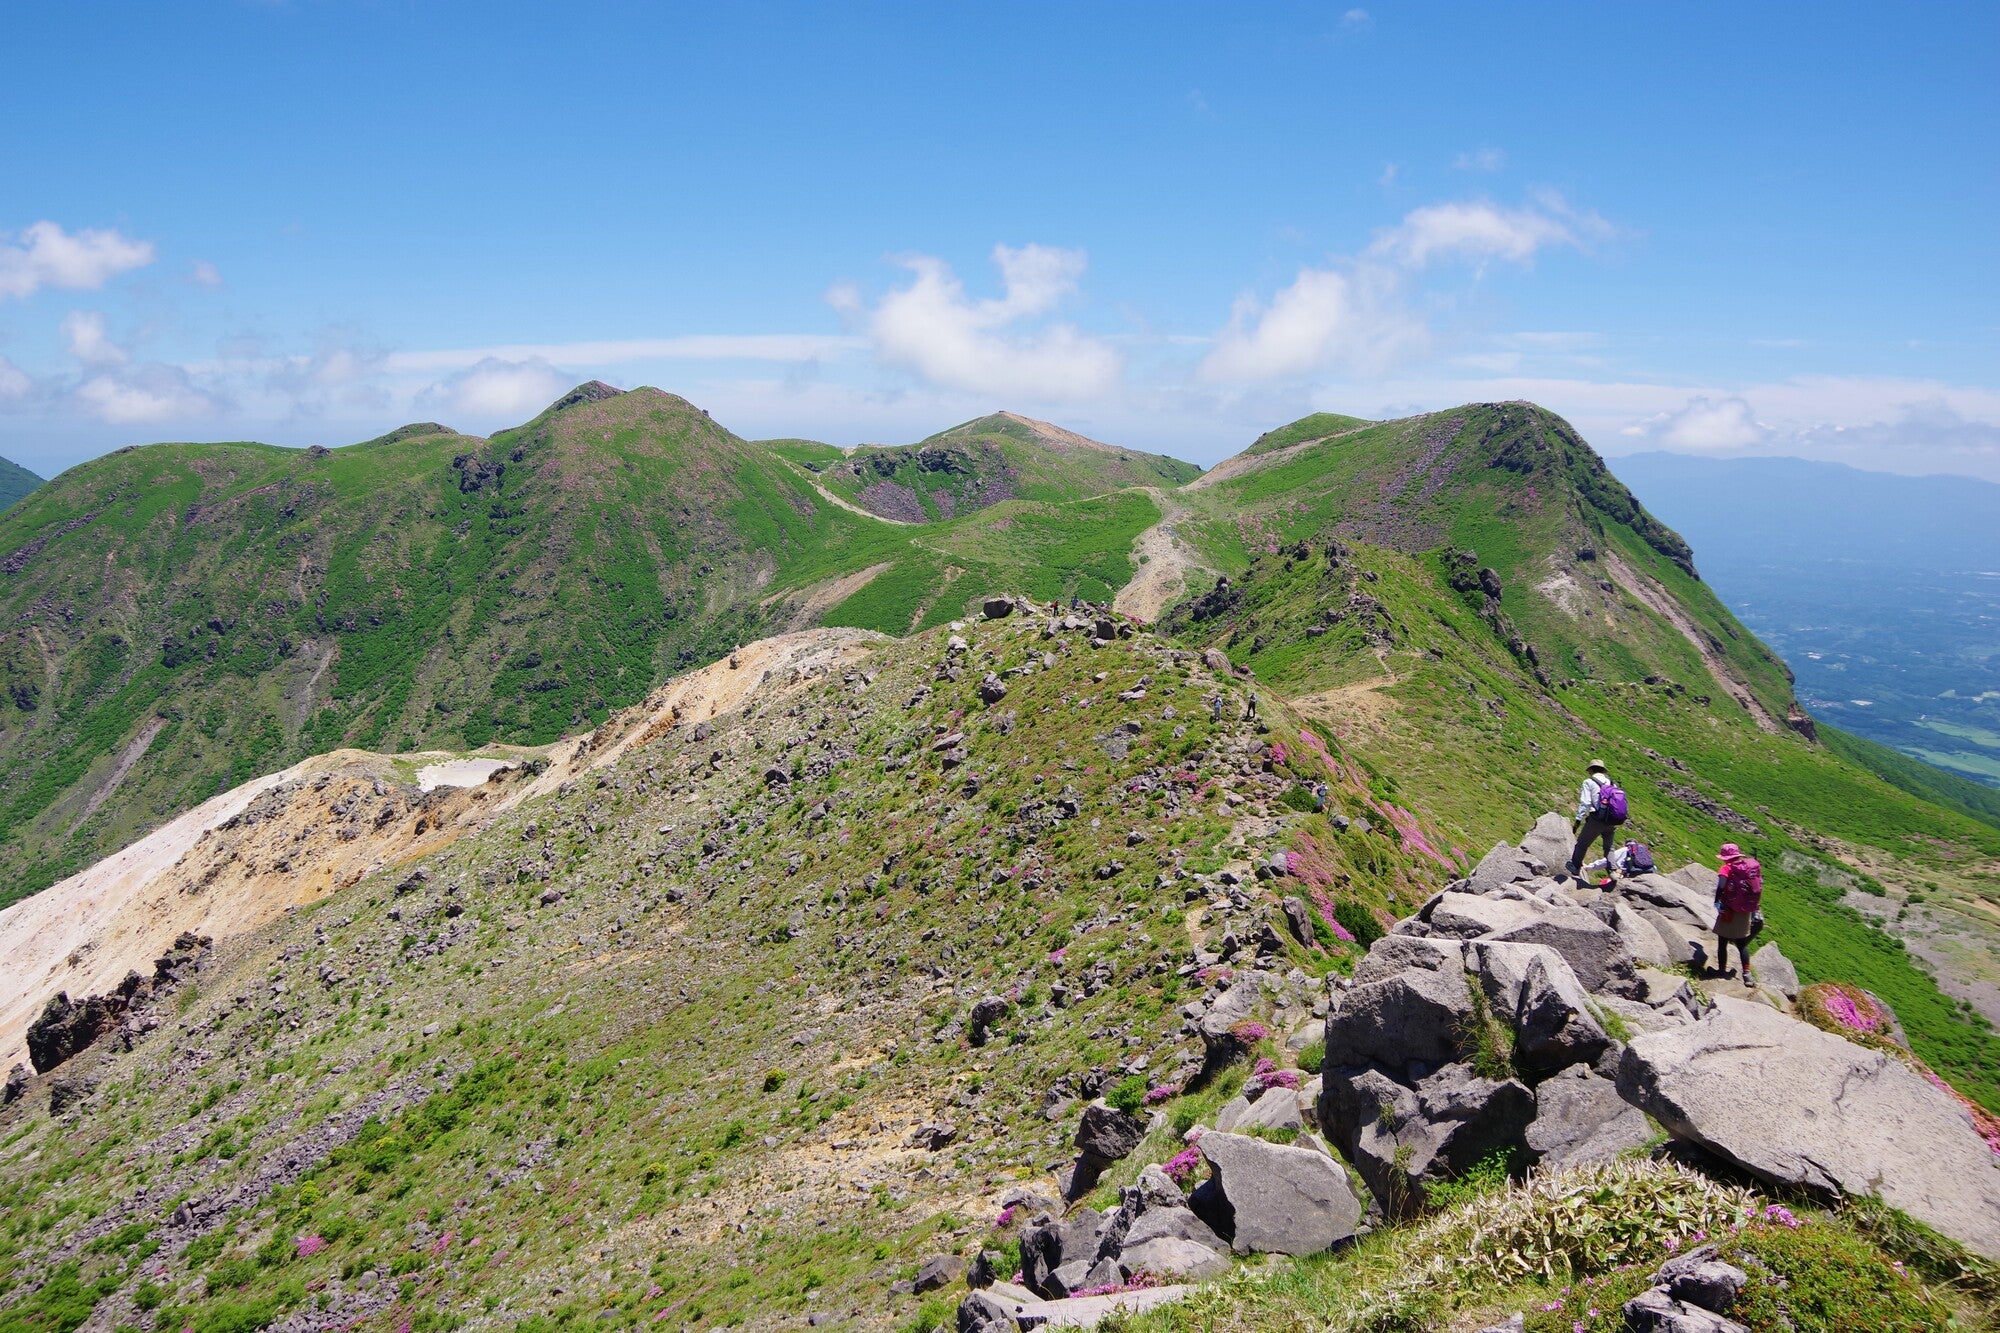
[
  {"x": 1739, "y": 892},
  {"x": 1634, "y": 858},
  {"x": 1600, "y": 809}
]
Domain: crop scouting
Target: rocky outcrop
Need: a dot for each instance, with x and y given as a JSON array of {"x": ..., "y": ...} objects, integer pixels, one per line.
[
  {"x": 1270, "y": 1198},
  {"x": 1797, "y": 1106}
]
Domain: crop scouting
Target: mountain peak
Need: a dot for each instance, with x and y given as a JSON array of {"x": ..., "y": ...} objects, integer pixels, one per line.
[{"x": 594, "y": 391}]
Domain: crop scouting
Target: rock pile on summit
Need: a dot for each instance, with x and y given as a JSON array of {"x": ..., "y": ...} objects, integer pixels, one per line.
[{"x": 1484, "y": 1025}]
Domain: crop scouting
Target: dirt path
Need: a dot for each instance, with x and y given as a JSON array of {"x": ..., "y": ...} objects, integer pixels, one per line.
[
  {"x": 1240, "y": 464},
  {"x": 1661, "y": 602},
  {"x": 852, "y": 508},
  {"x": 137, "y": 747},
  {"x": 1162, "y": 560},
  {"x": 823, "y": 597}
]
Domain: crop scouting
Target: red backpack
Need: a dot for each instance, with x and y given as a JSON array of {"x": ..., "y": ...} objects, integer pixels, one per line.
[{"x": 1742, "y": 885}]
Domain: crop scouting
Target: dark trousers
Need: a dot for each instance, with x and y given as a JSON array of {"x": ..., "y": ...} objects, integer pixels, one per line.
[{"x": 1593, "y": 829}]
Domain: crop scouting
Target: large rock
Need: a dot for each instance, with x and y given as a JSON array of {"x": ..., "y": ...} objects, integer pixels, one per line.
[
  {"x": 984, "y": 1313},
  {"x": 1167, "y": 1256},
  {"x": 1278, "y": 1108},
  {"x": 1398, "y": 953},
  {"x": 1180, "y": 1223},
  {"x": 1268, "y": 1198},
  {"x": 1502, "y": 866},
  {"x": 1579, "y": 1117},
  {"x": 1401, "y": 1137},
  {"x": 1794, "y": 1105},
  {"x": 1550, "y": 841},
  {"x": 1654, "y": 1311},
  {"x": 1592, "y": 949},
  {"x": 1531, "y": 988},
  {"x": 17, "y": 1085},
  {"x": 1236, "y": 1005},
  {"x": 1640, "y": 936},
  {"x": 1672, "y": 897},
  {"x": 1050, "y": 1244},
  {"x": 1466, "y": 916},
  {"x": 1107, "y": 1133},
  {"x": 1685, "y": 945},
  {"x": 1414, "y": 1015},
  {"x": 66, "y": 1027},
  {"x": 1775, "y": 970}
]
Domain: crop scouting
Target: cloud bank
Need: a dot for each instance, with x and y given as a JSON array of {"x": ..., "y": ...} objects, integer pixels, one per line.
[{"x": 44, "y": 255}]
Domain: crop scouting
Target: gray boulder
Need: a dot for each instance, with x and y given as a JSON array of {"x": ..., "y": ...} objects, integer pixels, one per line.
[
  {"x": 983, "y": 1313},
  {"x": 1554, "y": 1027},
  {"x": 1654, "y": 1311},
  {"x": 1415, "y": 1015},
  {"x": 1673, "y": 897},
  {"x": 1180, "y": 1224},
  {"x": 1398, "y": 953},
  {"x": 1775, "y": 970},
  {"x": 1401, "y": 1137},
  {"x": 940, "y": 1270},
  {"x": 1592, "y": 949},
  {"x": 1107, "y": 1133},
  {"x": 1268, "y": 1198},
  {"x": 1579, "y": 1117},
  {"x": 1550, "y": 841},
  {"x": 1167, "y": 1256},
  {"x": 1794, "y": 1105},
  {"x": 1233, "y": 1006},
  {"x": 1278, "y": 1108},
  {"x": 1700, "y": 1278},
  {"x": 1466, "y": 916},
  {"x": 17, "y": 1084},
  {"x": 1051, "y": 1243},
  {"x": 1503, "y": 866},
  {"x": 1641, "y": 937},
  {"x": 1684, "y": 943}
]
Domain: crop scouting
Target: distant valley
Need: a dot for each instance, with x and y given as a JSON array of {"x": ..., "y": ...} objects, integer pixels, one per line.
[{"x": 1882, "y": 592}]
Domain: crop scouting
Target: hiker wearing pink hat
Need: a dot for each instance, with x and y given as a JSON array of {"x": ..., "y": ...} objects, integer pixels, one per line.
[{"x": 1739, "y": 892}]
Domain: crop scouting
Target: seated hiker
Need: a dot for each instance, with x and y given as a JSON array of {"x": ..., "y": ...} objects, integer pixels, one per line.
[
  {"x": 1634, "y": 858},
  {"x": 1600, "y": 809},
  {"x": 1739, "y": 892}
]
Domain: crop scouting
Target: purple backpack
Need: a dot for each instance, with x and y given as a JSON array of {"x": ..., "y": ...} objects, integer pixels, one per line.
[{"x": 1611, "y": 802}]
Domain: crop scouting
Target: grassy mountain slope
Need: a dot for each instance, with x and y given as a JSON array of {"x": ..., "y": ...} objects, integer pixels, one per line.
[
  {"x": 1353, "y": 595},
  {"x": 662, "y": 1038},
  {"x": 15, "y": 482},
  {"x": 185, "y": 616},
  {"x": 980, "y": 463}
]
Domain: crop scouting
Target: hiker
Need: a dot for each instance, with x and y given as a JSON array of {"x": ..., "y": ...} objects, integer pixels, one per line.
[
  {"x": 1739, "y": 892},
  {"x": 1600, "y": 809},
  {"x": 1634, "y": 858},
  {"x": 1215, "y": 706}
]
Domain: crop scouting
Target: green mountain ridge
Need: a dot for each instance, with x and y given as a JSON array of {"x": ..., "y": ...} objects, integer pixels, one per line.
[
  {"x": 16, "y": 483},
  {"x": 740, "y": 1026},
  {"x": 185, "y": 616}
]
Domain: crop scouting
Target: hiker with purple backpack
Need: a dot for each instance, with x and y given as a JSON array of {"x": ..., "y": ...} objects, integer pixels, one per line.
[
  {"x": 1600, "y": 810},
  {"x": 1739, "y": 893}
]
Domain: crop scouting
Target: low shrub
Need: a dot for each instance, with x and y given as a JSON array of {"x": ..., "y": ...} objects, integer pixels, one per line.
[{"x": 1128, "y": 1094}]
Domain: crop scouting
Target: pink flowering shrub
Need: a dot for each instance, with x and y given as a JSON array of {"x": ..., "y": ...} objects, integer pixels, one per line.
[
  {"x": 1249, "y": 1032},
  {"x": 310, "y": 1245},
  {"x": 1161, "y": 1093},
  {"x": 1181, "y": 1166},
  {"x": 1267, "y": 1075},
  {"x": 1006, "y": 1218}
]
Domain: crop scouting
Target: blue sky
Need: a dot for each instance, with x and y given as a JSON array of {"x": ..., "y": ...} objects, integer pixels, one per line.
[{"x": 1710, "y": 228}]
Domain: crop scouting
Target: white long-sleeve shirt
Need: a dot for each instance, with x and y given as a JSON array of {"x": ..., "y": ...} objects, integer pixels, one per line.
[{"x": 1586, "y": 797}]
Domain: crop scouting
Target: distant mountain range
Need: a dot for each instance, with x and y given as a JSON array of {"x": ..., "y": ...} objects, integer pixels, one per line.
[
  {"x": 1881, "y": 591},
  {"x": 15, "y": 482}
]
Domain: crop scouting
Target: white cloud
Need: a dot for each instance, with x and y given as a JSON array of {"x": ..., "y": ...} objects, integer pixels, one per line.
[
  {"x": 1484, "y": 159},
  {"x": 204, "y": 274},
  {"x": 44, "y": 255},
  {"x": 934, "y": 329},
  {"x": 1477, "y": 229},
  {"x": 497, "y": 389},
  {"x": 1354, "y": 18},
  {"x": 83, "y": 333},
  {"x": 145, "y": 394},
  {"x": 1359, "y": 317},
  {"x": 691, "y": 347},
  {"x": 14, "y": 382},
  {"x": 1706, "y": 425},
  {"x": 1323, "y": 318}
]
